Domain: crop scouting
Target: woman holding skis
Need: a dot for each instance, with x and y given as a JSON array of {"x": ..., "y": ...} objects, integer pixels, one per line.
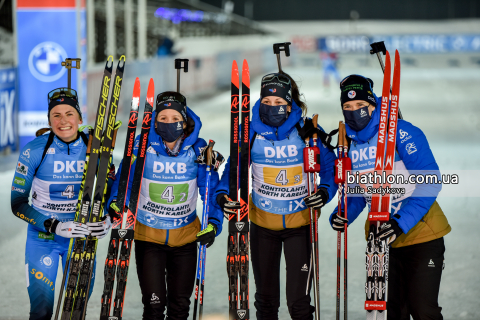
[
  {"x": 167, "y": 226},
  {"x": 417, "y": 224},
  {"x": 278, "y": 213},
  {"x": 51, "y": 167}
]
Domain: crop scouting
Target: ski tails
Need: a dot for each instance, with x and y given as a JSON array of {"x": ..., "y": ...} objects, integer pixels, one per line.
[
  {"x": 126, "y": 233},
  {"x": 232, "y": 248},
  {"x": 243, "y": 225},
  {"x": 377, "y": 251}
]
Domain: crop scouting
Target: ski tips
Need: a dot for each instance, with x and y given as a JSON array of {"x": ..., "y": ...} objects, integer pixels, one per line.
[
  {"x": 245, "y": 73},
  {"x": 136, "y": 93},
  {"x": 396, "y": 66},
  {"x": 235, "y": 77},
  {"x": 150, "y": 92}
]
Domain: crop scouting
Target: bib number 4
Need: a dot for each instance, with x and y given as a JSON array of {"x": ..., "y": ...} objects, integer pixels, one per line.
[{"x": 69, "y": 192}]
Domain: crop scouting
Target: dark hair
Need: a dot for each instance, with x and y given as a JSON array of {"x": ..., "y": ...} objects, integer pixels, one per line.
[
  {"x": 296, "y": 95},
  {"x": 42, "y": 131}
]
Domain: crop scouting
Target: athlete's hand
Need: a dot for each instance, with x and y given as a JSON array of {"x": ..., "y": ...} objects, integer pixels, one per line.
[
  {"x": 100, "y": 229},
  {"x": 307, "y": 130},
  {"x": 390, "y": 230},
  {"x": 207, "y": 235},
  {"x": 317, "y": 200},
  {"x": 228, "y": 206},
  {"x": 338, "y": 223},
  {"x": 70, "y": 229},
  {"x": 217, "y": 158}
]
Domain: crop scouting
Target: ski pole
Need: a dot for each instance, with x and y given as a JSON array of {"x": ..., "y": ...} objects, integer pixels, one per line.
[
  {"x": 178, "y": 66},
  {"x": 339, "y": 212},
  {"x": 277, "y": 48},
  {"x": 316, "y": 213},
  {"x": 311, "y": 165},
  {"x": 202, "y": 250}
]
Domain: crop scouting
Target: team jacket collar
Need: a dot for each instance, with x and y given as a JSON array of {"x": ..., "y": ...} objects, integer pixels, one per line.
[
  {"x": 370, "y": 130},
  {"x": 156, "y": 142},
  {"x": 68, "y": 148},
  {"x": 272, "y": 133}
]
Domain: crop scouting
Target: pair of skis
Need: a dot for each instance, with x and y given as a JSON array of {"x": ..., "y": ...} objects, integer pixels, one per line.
[
  {"x": 202, "y": 250},
  {"x": 239, "y": 224},
  {"x": 342, "y": 165},
  {"x": 123, "y": 228},
  {"x": 376, "y": 286},
  {"x": 311, "y": 165},
  {"x": 81, "y": 254}
]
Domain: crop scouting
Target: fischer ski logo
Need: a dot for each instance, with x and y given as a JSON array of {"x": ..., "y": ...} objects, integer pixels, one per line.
[
  {"x": 352, "y": 94},
  {"x": 431, "y": 264},
  {"x": 122, "y": 233},
  {"x": 411, "y": 148},
  {"x": 102, "y": 108},
  {"x": 241, "y": 313},
  {"x": 403, "y": 134},
  {"x": 240, "y": 225},
  {"x": 305, "y": 268}
]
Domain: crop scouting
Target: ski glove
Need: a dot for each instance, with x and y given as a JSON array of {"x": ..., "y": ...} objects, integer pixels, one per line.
[
  {"x": 69, "y": 229},
  {"x": 228, "y": 206},
  {"x": 207, "y": 235},
  {"x": 114, "y": 211},
  {"x": 317, "y": 200},
  {"x": 307, "y": 130},
  {"x": 390, "y": 230},
  {"x": 338, "y": 223},
  {"x": 100, "y": 229},
  {"x": 217, "y": 158}
]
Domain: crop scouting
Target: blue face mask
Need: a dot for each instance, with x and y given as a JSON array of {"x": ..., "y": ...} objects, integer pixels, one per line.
[
  {"x": 358, "y": 119},
  {"x": 169, "y": 131},
  {"x": 273, "y": 116}
]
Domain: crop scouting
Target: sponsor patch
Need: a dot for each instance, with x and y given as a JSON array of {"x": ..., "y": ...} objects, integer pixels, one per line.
[
  {"x": 19, "y": 181},
  {"x": 22, "y": 169},
  {"x": 51, "y": 151},
  {"x": 46, "y": 260},
  {"x": 18, "y": 189},
  {"x": 45, "y": 236},
  {"x": 352, "y": 94}
]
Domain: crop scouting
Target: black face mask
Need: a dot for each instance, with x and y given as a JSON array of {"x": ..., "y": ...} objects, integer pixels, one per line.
[
  {"x": 358, "y": 119},
  {"x": 273, "y": 116},
  {"x": 169, "y": 131}
]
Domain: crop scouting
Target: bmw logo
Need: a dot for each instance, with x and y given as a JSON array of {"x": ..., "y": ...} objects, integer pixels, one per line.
[
  {"x": 45, "y": 61},
  {"x": 265, "y": 203},
  {"x": 150, "y": 219}
]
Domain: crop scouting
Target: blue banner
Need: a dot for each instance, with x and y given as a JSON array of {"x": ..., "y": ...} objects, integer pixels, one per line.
[
  {"x": 45, "y": 38},
  {"x": 404, "y": 43},
  {"x": 8, "y": 109}
]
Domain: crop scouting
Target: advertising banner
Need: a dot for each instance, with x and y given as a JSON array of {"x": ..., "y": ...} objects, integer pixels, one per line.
[
  {"x": 8, "y": 109},
  {"x": 47, "y": 35}
]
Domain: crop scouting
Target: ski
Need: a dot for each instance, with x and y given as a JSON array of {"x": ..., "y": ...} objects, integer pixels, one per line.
[
  {"x": 126, "y": 232},
  {"x": 118, "y": 230},
  {"x": 232, "y": 251},
  {"x": 76, "y": 247},
  {"x": 377, "y": 251},
  {"x": 243, "y": 224},
  {"x": 106, "y": 152}
]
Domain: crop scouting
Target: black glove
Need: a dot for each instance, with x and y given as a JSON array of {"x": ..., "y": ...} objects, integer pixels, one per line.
[
  {"x": 307, "y": 130},
  {"x": 390, "y": 230},
  {"x": 217, "y": 158},
  {"x": 338, "y": 223},
  {"x": 317, "y": 200},
  {"x": 114, "y": 211},
  {"x": 228, "y": 206},
  {"x": 207, "y": 235}
]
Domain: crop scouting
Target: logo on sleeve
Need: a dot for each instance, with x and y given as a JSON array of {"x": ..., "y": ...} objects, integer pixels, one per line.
[
  {"x": 51, "y": 151},
  {"x": 411, "y": 148},
  {"x": 21, "y": 168},
  {"x": 26, "y": 153},
  {"x": 19, "y": 181},
  {"x": 403, "y": 134},
  {"x": 154, "y": 299},
  {"x": 18, "y": 189},
  {"x": 305, "y": 268}
]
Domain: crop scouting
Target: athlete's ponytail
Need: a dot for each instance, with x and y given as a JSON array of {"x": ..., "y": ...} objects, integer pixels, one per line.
[
  {"x": 42, "y": 131},
  {"x": 296, "y": 96}
]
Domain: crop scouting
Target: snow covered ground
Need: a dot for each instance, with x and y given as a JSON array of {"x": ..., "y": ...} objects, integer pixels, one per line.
[{"x": 443, "y": 102}]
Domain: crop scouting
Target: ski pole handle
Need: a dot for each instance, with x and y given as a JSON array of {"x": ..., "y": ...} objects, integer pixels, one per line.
[
  {"x": 377, "y": 48},
  {"x": 277, "y": 48},
  {"x": 178, "y": 66},
  {"x": 211, "y": 143},
  {"x": 315, "y": 122}
]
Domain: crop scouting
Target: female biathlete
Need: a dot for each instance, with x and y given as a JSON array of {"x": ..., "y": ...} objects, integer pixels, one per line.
[
  {"x": 51, "y": 167},
  {"x": 417, "y": 224},
  {"x": 278, "y": 213},
  {"x": 167, "y": 225}
]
